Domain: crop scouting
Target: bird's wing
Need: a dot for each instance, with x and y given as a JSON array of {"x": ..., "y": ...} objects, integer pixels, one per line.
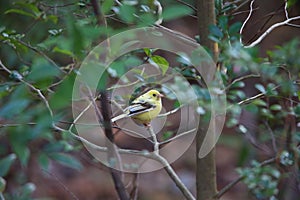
[
  {"x": 140, "y": 107},
  {"x": 134, "y": 109},
  {"x": 119, "y": 117}
]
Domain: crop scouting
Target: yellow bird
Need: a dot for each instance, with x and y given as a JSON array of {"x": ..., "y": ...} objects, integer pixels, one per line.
[{"x": 143, "y": 109}]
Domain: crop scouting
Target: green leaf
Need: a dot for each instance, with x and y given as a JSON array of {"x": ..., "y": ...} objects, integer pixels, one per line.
[
  {"x": 148, "y": 52},
  {"x": 126, "y": 13},
  {"x": 63, "y": 95},
  {"x": 2, "y": 184},
  {"x": 214, "y": 38},
  {"x": 297, "y": 110},
  {"x": 22, "y": 151},
  {"x": 30, "y": 6},
  {"x": 27, "y": 190},
  {"x": 75, "y": 36},
  {"x": 260, "y": 87},
  {"x": 216, "y": 31},
  {"x": 239, "y": 84},
  {"x": 167, "y": 135},
  {"x": 66, "y": 160},
  {"x": 21, "y": 12},
  {"x": 259, "y": 102},
  {"x": 234, "y": 28},
  {"x": 43, "y": 160},
  {"x": 176, "y": 11},
  {"x": 5, "y": 163},
  {"x": 290, "y": 3},
  {"x": 231, "y": 122},
  {"x": 42, "y": 73},
  {"x": 267, "y": 113},
  {"x": 53, "y": 18},
  {"x": 55, "y": 147},
  {"x": 63, "y": 51},
  {"x": 251, "y": 108},
  {"x": 223, "y": 22},
  {"x": 162, "y": 63},
  {"x": 106, "y": 6},
  {"x": 13, "y": 108},
  {"x": 276, "y": 107}
]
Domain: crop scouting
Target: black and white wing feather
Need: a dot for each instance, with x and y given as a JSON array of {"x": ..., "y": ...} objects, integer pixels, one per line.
[
  {"x": 140, "y": 107},
  {"x": 134, "y": 109}
]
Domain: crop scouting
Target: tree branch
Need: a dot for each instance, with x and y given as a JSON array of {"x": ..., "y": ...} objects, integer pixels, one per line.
[
  {"x": 271, "y": 28},
  {"x": 112, "y": 154},
  {"x": 188, "y": 195}
]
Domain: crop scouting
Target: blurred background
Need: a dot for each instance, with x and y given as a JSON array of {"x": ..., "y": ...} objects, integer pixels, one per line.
[{"x": 45, "y": 43}]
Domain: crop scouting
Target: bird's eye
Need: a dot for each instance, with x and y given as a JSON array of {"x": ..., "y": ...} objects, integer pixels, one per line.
[{"x": 154, "y": 95}]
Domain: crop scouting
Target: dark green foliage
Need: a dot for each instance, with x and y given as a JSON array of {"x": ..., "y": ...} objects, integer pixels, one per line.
[{"x": 43, "y": 43}]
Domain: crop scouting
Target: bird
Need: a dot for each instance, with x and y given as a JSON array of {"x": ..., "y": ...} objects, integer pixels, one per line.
[{"x": 143, "y": 109}]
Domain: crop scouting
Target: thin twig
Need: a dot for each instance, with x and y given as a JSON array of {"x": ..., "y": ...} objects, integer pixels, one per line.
[
  {"x": 15, "y": 125},
  {"x": 275, "y": 149},
  {"x": 239, "y": 6},
  {"x": 170, "y": 112},
  {"x": 38, "y": 91},
  {"x": 187, "y": 4},
  {"x": 242, "y": 78},
  {"x": 61, "y": 183},
  {"x": 270, "y": 16},
  {"x": 42, "y": 54}
]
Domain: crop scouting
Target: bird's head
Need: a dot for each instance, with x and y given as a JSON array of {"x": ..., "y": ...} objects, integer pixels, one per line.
[{"x": 154, "y": 94}]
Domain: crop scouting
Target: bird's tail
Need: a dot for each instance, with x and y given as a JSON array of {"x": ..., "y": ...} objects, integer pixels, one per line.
[{"x": 119, "y": 117}]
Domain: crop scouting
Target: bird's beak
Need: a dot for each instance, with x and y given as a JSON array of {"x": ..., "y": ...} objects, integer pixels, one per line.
[{"x": 161, "y": 95}]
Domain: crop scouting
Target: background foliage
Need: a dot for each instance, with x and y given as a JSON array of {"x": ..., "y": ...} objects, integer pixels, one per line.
[{"x": 44, "y": 42}]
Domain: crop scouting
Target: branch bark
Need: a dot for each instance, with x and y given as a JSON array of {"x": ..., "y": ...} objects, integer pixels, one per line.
[{"x": 112, "y": 154}]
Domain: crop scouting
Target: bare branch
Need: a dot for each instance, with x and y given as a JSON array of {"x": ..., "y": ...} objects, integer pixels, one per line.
[
  {"x": 269, "y": 30},
  {"x": 287, "y": 22},
  {"x": 285, "y": 9},
  {"x": 242, "y": 78},
  {"x": 187, "y": 194},
  {"x": 246, "y": 20}
]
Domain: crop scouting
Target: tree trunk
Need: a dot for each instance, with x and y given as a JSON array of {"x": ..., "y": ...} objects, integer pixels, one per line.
[{"x": 206, "y": 168}]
